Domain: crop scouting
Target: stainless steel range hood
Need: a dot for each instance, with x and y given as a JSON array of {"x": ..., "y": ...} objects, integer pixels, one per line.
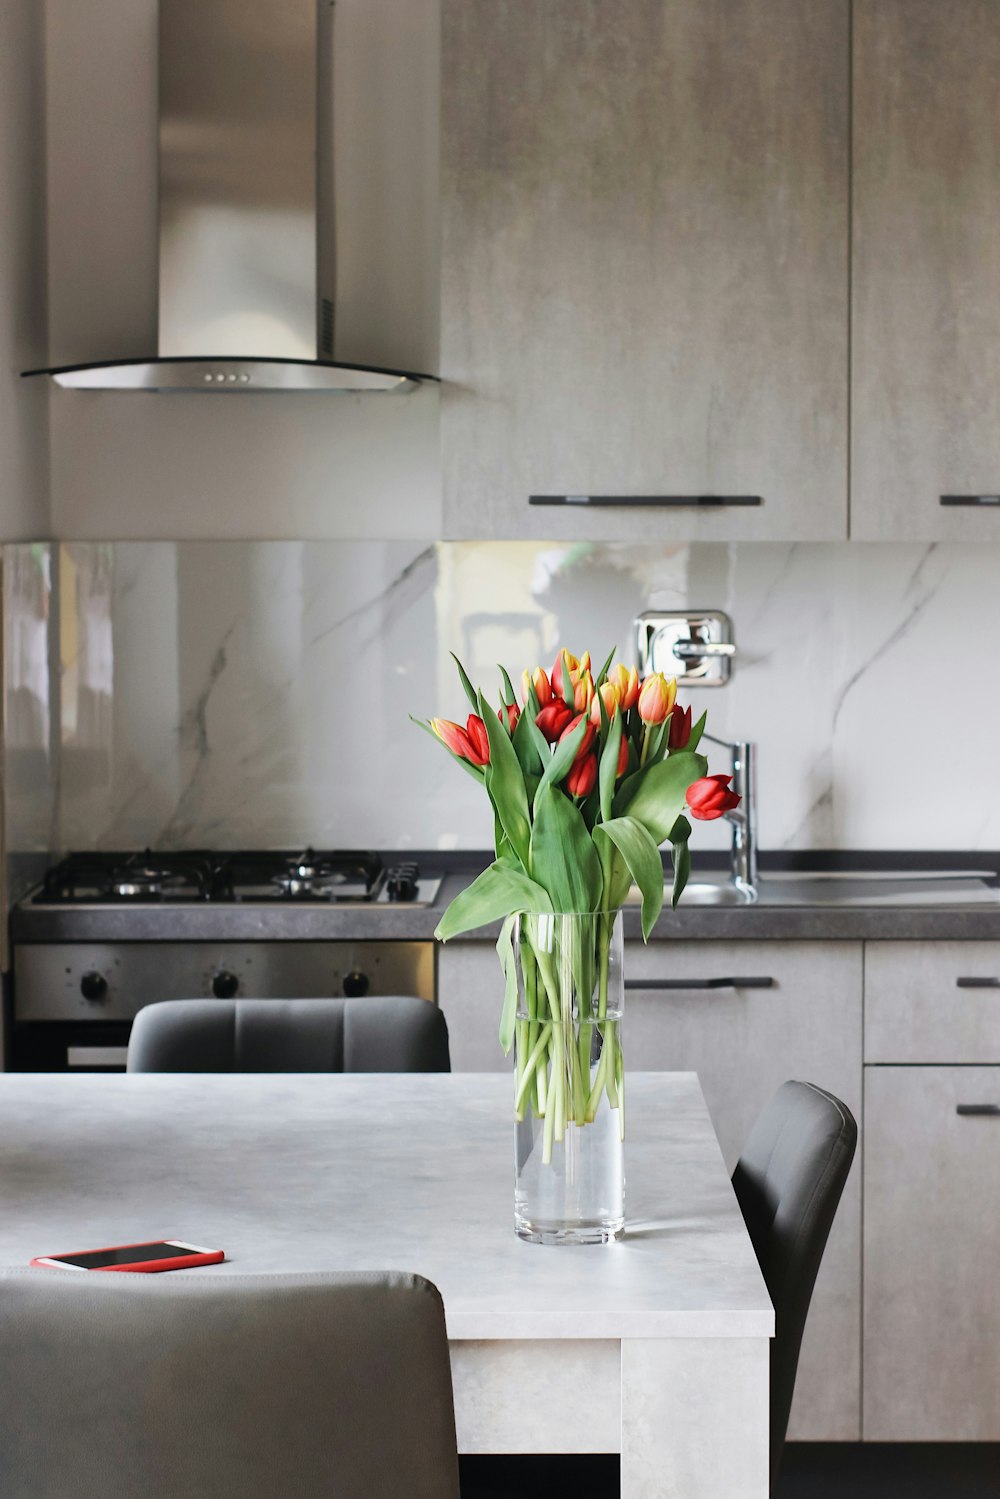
[{"x": 247, "y": 253}]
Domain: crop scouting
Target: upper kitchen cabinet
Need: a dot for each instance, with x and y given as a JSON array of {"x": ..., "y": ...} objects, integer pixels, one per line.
[
  {"x": 644, "y": 266},
  {"x": 926, "y": 345}
]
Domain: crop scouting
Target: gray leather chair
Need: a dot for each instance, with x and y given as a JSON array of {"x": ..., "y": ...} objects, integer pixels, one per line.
[
  {"x": 206, "y": 1385},
  {"x": 202, "y": 1385},
  {"x": 788, "y": 1182},
  {"x": 398, "y": 1034}
]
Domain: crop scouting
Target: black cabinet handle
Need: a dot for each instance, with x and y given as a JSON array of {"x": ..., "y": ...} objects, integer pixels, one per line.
[
  {"x": 719, "y": 983},
  {"x": 970, "y": 499},
  {"x": 973, "y": 982},
  {"x": 661, "y": 501},
  {"x": 972, "y": 1109}
]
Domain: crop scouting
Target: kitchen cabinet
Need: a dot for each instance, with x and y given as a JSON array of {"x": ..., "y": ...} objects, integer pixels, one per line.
[
  {"x": 644, "y": 266},
  {"x": 743, "y": 1041},
  {"x": 929, "y": 1002},
  {"x": 926, "y": 264},
  {"x": 932, "y": 1206}
]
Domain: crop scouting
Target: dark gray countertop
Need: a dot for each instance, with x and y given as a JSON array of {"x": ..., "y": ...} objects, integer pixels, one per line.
[{"x": 850, "y": 922}]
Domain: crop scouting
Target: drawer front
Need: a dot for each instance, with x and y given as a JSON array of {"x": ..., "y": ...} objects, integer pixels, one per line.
[
  {"x": 746, "y": 1016},
  {"x": 932, "y": 1212},
  {"x": 932, "y": 1002}
]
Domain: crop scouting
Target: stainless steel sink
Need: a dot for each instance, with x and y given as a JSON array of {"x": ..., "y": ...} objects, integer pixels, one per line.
[{"x": 897, "y": 887}]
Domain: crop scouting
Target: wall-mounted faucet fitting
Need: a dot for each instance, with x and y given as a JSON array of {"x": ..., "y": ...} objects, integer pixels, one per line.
[{"x": 695, "y": 647}]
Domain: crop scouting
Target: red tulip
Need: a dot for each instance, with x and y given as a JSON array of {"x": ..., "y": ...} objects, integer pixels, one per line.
[
  {"x": 455, "y": 737},
  {"x": 540, "y": 682},
  {"x": 585, "y": 743},
  {"x": 583, "y": 777},
  {"x": 656, "y": 698},
  {"x": 622, "y": 759},
  {"x": 680, "y": 727},
  {"x": 553, "y": 719},
  {"x": 479, "y": 740},
  {"x": 509, "y": 714},
  {"x": 711, "y": 797}
]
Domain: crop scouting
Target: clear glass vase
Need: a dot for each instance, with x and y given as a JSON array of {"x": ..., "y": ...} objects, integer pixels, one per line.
[{"x": 569, "y": 1079}]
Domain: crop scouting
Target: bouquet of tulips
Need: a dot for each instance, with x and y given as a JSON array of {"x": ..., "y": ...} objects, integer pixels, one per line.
[{"x": 587, "y": 777}]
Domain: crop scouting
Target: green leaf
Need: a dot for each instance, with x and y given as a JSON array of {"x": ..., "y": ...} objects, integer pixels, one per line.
[
  {"x": 696, "y": 734},
  {"x": 608, "y": 772},
  {"x": 509, "y": 694},
  {"x": 655, "y": 795},
  {"x": 499, "y": 892},
  {"x": 475, "y": 771},
  {"x": 505, "y": 783},
  {"x": 681, "y": 857},
  {"x": 470, "y": 691},
  {"x": 568, "y": 689},
  {"x": 641, "y": 855},
  {"x": 505, "y": 952},
  {"x": 563, "y": 857},
  {"x": 531, "y": 749},
  {"x": 603, "y": 673},
  {"x": 561, "y": 760}
]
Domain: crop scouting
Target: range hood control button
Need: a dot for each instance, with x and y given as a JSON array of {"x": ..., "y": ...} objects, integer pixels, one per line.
[
  {"x": 225, "y": 985},
  {"x": 356, "y": 984},
  {"x": 94, "y": 986}
]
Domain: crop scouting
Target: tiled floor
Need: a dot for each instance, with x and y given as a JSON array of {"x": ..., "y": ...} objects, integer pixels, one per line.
[{"x": 809, "y": 1471}]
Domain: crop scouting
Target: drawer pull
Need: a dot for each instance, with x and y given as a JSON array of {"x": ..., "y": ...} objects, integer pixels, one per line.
[
  {"x": 969, "y": 1110},
  {"x": 972, "y": 982},
  {"x": 720, "y": 983},
  {"x": 970, "y": 499},
  {"x": 649, "y": 501}
]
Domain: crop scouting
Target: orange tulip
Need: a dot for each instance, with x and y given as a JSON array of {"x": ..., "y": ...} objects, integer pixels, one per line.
[
  {"x": 583, "y": 692},
  {"x": 656, "y": 698},
  {"x": 576, "y": 668},
  {"x": 540, "y": 682},
  {"x": 608, "y": 693},
  {"x": 626, "y": 683},
  {"x": 583, "y": 777}
]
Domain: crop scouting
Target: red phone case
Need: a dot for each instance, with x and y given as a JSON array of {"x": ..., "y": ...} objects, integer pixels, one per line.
[{"x": 184, "y": 1261}]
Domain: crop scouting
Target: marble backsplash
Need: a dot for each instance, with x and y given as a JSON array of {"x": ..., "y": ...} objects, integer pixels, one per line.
[{"x": 256, "y": 694}]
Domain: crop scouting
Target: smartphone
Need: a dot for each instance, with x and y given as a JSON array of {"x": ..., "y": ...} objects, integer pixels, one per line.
[{"x": 162, "y": 1254}]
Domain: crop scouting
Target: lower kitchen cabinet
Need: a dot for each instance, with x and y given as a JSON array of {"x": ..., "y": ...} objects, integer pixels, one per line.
[
  {"x": 743, "y": 1040},
  {"x": 932, "y": 1220}
]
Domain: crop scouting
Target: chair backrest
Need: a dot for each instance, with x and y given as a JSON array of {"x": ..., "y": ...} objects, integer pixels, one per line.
[
  {"x": 385, "y": 1034},
  {"x": 788, "y": 1182},
  {"x": 214, "y": 1386}
]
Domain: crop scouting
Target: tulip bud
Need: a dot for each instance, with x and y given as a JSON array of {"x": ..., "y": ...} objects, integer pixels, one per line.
[
  {"x": 553, "y": 719},
  {"x": 622, "y": 759},
  {"x": 540, "y": 682},
  {"x": 609, "y": 694},
  {"x": 556, "y": 674},
  {"x": 509, "y": 714},
  {"x": 711, "y": 797},
  {"x": 583, "y": 692},
  {"x": 479, "y": 740},
  {"x": 589, "y": 734},
  {"x": 656, "y": 698},
  {"x": 583, "y": 777},
  {"x": 626, "y": 683},
  {"x": 680, "y": 727},
  {"x": 454, "y": 736}
]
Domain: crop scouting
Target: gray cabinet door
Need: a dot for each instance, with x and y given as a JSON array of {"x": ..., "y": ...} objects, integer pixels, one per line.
[
  {"x": 743, "y": 1043},
  {"x": 644, "y": 265},
  {"x": 926, "y": 268},
  {"x": 932, "y": 1218}
]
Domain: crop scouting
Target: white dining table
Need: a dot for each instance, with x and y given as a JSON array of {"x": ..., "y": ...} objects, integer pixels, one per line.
[{"x": 655, "y": 1347}]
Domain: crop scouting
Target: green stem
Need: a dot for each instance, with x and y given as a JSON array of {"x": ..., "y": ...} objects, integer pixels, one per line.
[{"x": 525, "y": 1079}]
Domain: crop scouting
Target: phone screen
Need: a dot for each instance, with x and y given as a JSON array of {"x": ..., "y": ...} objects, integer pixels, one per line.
[{"x": 133, "y": 1254}]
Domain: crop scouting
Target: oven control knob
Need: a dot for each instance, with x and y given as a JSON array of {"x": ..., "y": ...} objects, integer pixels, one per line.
[
  {"x": 356, "y": 984},
  {"x": 94, "y": 986},
  {"x": 225, "y": 985}
]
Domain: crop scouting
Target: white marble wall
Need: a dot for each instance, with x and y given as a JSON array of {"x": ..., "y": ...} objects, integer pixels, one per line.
[{"x": 257, "y": 693}]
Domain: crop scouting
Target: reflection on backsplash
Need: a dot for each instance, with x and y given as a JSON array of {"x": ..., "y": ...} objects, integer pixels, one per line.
[{"x": 256, "y": 694}]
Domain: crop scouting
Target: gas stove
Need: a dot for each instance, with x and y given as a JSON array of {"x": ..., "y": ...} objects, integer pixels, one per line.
[
  {"x": 252, "y": 877},
  {"x": 106, "y": 933}
]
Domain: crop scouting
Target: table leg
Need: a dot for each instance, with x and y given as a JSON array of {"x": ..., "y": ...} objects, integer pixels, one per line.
[{"x": 694, "y": 1418}]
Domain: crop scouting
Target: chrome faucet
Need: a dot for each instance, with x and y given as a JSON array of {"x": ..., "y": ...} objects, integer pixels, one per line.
[{"x": 744, "y": 817}]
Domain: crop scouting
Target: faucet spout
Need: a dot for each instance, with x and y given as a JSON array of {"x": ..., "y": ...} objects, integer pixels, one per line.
[{"x": 743, "y": 819}]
